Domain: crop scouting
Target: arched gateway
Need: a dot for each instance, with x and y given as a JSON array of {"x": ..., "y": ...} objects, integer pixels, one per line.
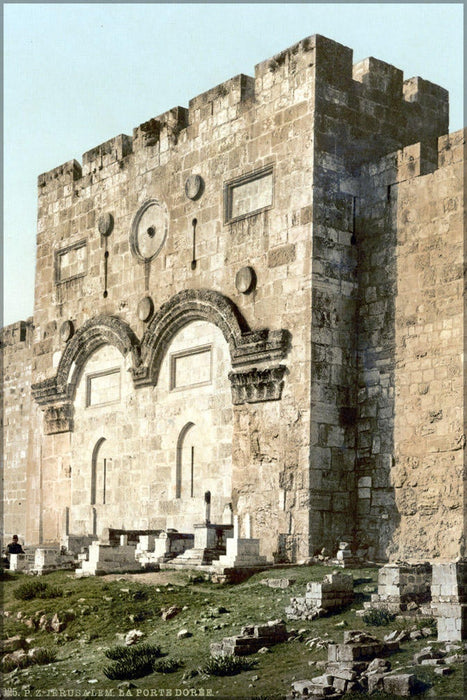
[{"x": 151, "y": 421}]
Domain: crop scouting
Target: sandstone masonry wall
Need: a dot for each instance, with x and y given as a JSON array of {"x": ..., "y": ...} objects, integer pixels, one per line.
[
  {"x": 411, "y": 398},
  {"x": 15, "y": 389}
]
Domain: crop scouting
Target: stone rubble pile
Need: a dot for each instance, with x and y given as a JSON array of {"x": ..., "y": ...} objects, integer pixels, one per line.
[
  {"x": 345, "y": 556},
  {"x": 357, "y": 665},
  {"x": 333, "y": 593},
  {"x": 251, "y": 639}
]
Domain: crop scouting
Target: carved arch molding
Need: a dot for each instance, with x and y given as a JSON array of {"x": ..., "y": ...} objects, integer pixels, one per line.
[{"x": 248, "y": 348}]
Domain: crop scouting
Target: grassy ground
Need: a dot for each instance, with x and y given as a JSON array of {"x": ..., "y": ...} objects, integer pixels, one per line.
[{"x": 106, "y": 608}]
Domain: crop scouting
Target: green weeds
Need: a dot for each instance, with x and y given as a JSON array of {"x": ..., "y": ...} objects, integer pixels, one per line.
[
  {"x": 36, "y": 589},
  {"x": 378, "y": 618},
  {"x": 227, "y": 666}
]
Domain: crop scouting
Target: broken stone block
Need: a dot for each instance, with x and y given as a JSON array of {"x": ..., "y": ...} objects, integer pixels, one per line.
[
  {"x": 278, "y": 582},
  {"x": 402, "y": 684},
  {"x": 375, "y": 682},
  {"x": 432, "y": 662},
  {"x": 378, "y": 666},
  {"x": 443, "y": 671},
  {"x": 184, "y": 634},
  {"x": 251, "y": 639},
  {"x": 333, "y": 592}
]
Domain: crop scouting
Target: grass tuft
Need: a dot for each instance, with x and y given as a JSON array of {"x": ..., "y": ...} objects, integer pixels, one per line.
[
  {"x": 168, "y": 665},
  {"x": 378, "y": 618},
  {"x": 131, "y": 662},
  {"x": 227, "y": 666},
  {"x": 36, "y": 589}
]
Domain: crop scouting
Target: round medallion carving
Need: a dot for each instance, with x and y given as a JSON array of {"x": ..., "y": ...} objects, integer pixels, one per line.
[
  {"x": 245, "y": 280},
  {"x": 194, "y": 186},
  {"x": 149, "y": 230},
  {"x": 105, "y": 224},
  {"x": 66, "y": 331},
  {"x": 145, "y": 308}
]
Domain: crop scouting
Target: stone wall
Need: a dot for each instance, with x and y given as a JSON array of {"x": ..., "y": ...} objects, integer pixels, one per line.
[
  {"x": 16, "y": 404},
  {"x": 411, "y": 412}
]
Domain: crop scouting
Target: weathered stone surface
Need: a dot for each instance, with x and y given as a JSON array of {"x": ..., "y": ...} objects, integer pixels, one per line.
[
  {"x": 401, "y": 684},
  {"x": 277, "y": 582},
  {"x": 169, "y": 613},
  {"x": 133, "y": 636}
]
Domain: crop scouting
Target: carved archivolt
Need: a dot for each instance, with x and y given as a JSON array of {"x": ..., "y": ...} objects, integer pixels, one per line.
[
  {"x": 58, "y": 392},
  {"x": 247, "y": 348}
]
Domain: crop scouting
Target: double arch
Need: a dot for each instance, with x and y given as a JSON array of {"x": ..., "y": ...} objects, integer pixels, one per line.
[{"x": 246, "y": 347}]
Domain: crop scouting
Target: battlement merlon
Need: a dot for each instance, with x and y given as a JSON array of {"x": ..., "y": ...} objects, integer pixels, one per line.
[
  {"x": 412, "y": 161},
  {"x": 425, "y": 105},
  {"x": 115, "y": 149},
  {"x": 15, "y": 333},
  {"x": 61, "y": 175}
]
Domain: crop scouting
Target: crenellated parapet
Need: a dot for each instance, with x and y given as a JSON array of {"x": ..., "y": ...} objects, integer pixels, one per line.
[{"x": 368, "y": 98}]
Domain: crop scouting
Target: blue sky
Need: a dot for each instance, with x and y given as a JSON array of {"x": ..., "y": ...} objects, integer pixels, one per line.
[{"x": 77, "y": 74}]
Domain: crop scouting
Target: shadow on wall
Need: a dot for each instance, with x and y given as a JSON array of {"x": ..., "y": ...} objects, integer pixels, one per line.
[{"x": 377, "y": 515}]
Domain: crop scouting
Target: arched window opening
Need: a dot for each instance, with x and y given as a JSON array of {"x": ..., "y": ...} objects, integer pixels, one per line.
[
  {"x": 99, "y": 466},
  {"x": 185, "y": 469}
]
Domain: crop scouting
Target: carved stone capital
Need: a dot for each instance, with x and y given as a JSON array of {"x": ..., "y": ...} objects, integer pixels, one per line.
[
  {"x": 255, "y": 385},
  {"x": 58, "y": 419},
  {"x": 141, "y": 376}
]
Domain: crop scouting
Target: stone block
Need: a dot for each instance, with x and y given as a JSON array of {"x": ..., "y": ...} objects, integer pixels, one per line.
[{"x": 401, "y": 684}]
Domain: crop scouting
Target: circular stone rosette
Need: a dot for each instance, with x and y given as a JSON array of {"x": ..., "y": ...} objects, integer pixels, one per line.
[{"x": 149, "y": 230}]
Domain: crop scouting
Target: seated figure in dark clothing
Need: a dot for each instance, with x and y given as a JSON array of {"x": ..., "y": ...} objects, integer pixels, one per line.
[{"x": 13, "y": 547}]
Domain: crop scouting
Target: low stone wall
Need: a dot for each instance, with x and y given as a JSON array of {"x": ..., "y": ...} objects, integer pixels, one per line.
[
  {"x": 333, "y": 593},
  {"x": 402, "y": 584}
]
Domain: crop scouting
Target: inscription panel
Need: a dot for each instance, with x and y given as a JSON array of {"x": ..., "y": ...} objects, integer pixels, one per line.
[
  {"x": 103, "y": 387},
  {"x": 191, "y": 368},
  {"x": 248, "y": 195},
  {"x": 71, "y": 262}
]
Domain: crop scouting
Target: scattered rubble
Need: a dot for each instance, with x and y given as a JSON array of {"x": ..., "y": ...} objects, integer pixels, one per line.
[
  {"x": 251, "y": 639},
  {"x": 133, "y": 636},
  {"x": 357, "y": 665},
  {"x": 277, "y": 582}
]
